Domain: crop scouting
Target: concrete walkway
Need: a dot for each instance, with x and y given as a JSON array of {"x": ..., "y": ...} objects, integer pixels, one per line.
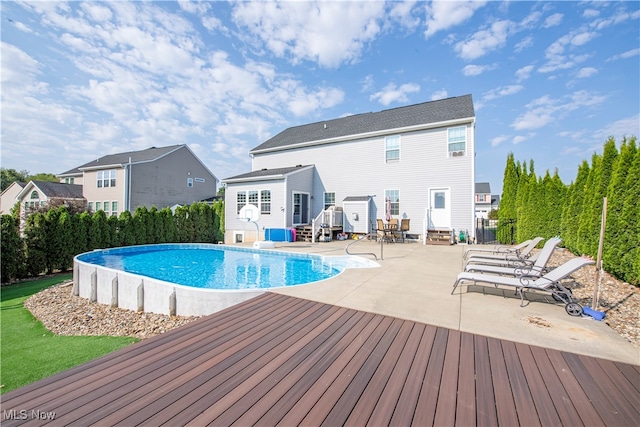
[{"x": 414, "y": 282}]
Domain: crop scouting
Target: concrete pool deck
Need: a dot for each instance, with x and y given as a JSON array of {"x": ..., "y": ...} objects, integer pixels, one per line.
[{"x": 414, "y": 282}]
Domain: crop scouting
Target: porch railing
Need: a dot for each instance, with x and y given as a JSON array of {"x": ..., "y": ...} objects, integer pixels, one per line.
[{"x": 328, "y": 218}]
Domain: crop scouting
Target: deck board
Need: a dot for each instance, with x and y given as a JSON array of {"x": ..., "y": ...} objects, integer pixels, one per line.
[{"x": 278, "y": 360}]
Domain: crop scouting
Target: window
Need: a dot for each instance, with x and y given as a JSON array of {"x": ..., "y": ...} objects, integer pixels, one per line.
[
  {"x": 35, "y": 195},
  {"x": 253, "y": 198},
  {"x": 68, "y": 180},
  {"x": 189, "y": 182},
  {"x": 241, "y": 200},
  {"x": 98, "y": 206},
  {"x": 457, "y": 138},
  {"x": 114, "y": 208},
  {"x": 329, "y": 200},
  {"x": 106, "y": 178},
  {"x": 394, "y": 196},
  {"x": 265, "y": 202},
  {"x": 392, "y": 148},
  {"x": 106, "y": 205},
  {"x": 90, "y": 206},
  {"x": 439, "y": 200}
]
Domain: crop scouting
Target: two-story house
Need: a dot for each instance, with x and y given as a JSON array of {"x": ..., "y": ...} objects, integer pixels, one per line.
[
  {"x": 483, "y": 199},
  {"x": 419, "y": 157},
  {"x": 158, "y": 176}
]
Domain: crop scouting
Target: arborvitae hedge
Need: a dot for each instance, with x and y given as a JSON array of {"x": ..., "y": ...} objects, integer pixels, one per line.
[
  {"x": 546, "y": 207},
  {"x": 51, "y": 240}
]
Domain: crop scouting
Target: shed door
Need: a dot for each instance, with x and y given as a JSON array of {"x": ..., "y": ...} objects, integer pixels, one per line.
[{"x": 439, "y": 209}]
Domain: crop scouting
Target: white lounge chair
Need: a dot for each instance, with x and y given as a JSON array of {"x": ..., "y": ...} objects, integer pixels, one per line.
[
  {"x": 497, "y": 249},
  {"x": 523, "y": 254},
  {"x": 536, "y": 269},
  {"x": 549, "y": 283}
]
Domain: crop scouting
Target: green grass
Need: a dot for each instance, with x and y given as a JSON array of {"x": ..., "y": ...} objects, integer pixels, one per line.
[{"x": 30, "y": 352}]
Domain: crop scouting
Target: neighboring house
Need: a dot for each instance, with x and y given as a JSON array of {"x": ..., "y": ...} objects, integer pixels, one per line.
[
  {"x": 483, "y": 199},
  {"x": 41, "y": 195},
  {"x": 158, "y": 176},
  {"x": 8, "y": 197},
  {"x": 495, "y": 202},
  {"x": 420, "y": 157}
]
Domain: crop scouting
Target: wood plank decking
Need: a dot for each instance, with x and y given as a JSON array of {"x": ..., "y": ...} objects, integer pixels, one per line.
[{"x": 278, "y": 360}]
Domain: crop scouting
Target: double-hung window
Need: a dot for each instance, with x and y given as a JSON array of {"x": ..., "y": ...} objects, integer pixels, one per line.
[
  {"x": 106, "y": 178},
  {"x": 457, "y": 140},
  {"x": 329, "y": 200},
  {"x": 394, "y": 197},
  {"x": 265, "y": 202},
  {"x": 253, "y": 198},
  {"x": 241, "y": 200},
  {"x": 392, "y": 148}
]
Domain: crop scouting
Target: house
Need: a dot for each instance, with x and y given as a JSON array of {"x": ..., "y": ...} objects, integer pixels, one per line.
[
  {"x": 420, "y": 157},
  {"x": 483, "y": 199},
  {"x": 42, "y": 195},
  {"x": 158, "y": 176},
  {"x": 8, "y": 197}
]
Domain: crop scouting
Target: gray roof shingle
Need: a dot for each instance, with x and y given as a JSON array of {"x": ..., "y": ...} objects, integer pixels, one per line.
[
  {"x": 443, "y": 110},
  {"x": 265, "y": 173},
  {"x": 483, "y": 187},
  {"x": 147, "y": 155},
  {"x": 59, "y": 190}
]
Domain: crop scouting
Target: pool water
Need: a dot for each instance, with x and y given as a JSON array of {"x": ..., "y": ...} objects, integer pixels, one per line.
[{"x": 218, "y": 266}]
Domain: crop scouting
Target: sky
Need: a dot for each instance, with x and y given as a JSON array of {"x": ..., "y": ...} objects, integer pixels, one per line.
[{"x": 550, "y": 81}]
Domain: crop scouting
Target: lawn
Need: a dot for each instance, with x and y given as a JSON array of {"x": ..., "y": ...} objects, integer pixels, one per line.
[{"x": 29, "y": 351}]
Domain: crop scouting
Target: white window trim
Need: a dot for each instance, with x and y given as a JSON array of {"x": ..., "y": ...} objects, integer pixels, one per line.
[
  {"x": 386, "y": 150},
  {"x": 457, "y": 153}
]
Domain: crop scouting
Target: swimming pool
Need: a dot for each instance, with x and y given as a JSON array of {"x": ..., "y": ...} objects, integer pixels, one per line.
[{"x": 196, "y": 279}]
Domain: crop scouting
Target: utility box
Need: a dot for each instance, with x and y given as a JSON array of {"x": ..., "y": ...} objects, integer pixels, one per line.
[{"x": 356, "y": 214}]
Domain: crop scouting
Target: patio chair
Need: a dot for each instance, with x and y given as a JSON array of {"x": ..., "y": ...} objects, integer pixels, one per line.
[
  {"x": 536, "y": 269},
  {"x": 404, "y": 227},
  {"x": 498, "y": 249},
  {"x": 380, "y": 229},
  {"x": 549, "y": 283},
  {"x": 523, "y": 254}
]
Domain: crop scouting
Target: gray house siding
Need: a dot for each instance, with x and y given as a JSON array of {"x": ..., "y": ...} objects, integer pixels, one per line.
[
  {"x": 358, "y": 168},
  {"x": 163, "y": 182}
]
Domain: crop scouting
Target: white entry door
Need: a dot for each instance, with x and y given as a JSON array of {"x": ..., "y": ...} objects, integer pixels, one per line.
[{"x": 439, "y": 209}]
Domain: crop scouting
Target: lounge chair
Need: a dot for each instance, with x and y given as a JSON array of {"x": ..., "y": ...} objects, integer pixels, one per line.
[
  {"x": 498, "y": 249},
  {"x": 536, "y": 269},
  {"x": 523, "y": 254},
  {"x": 549, "y": 283}
]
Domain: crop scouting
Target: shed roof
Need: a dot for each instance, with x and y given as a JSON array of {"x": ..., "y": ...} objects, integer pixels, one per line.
[
  {"x": 267, "y": 173},
  {"x": 426, "y": 113}
]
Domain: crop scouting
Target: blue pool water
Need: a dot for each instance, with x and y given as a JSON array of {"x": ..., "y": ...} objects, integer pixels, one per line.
[{"x": 216, "y": 266}]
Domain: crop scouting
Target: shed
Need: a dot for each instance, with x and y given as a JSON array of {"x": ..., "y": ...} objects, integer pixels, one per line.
[{"x": 357, "y": 214}]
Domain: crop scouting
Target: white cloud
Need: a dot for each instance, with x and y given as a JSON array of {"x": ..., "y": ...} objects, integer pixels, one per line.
[
  {"x": 395, "y": 94},
  {"x": 484, "y": 41},
  {"x": 586, "y": 72},
  {"x": 442, "y": 15},
  {"x": 476, "y": 70},
  {"x": 439, "y": 94},
  {"x": 328, "y": 33},
  {"x": 590, "y": 13},
  {"x": 518, "y": 139},
  {"x": 523, "y": 44},
  {"x": 498, "y": 140},
  {"x": 545, "y": 110},
  {"x": 524, "y": 73},
  {"x": 625, "y": 55},
  {"x": 553, "y": 20},
  {"x": 501, "y": 92},
  {"x": 582, "y": 38},
  {"x": 367, "y": 83},
  {"x": 627, "y": 127}
]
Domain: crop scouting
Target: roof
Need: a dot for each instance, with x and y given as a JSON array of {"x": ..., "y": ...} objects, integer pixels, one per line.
[
  {"x": 54, "y": 190},
  {"x": 483, "y": 187},
  {"x": 418, "y": 115},
  {"x": 148, "y": 155},
  {"x": 276, "y": 173},
  {"x": 357, "y": 199}
]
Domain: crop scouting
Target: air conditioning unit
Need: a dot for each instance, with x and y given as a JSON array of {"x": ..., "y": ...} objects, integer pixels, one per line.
[{"x": 457, "y": 153}]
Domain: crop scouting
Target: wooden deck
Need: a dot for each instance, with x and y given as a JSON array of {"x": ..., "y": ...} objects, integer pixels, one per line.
[{"x": 278, "y": 360}]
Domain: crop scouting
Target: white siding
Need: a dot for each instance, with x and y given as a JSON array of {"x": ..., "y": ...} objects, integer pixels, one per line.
[{"x": 358, "y": 168}]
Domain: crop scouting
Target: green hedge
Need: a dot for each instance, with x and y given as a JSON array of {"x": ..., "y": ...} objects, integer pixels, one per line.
[
  {"x": 51, "y": 240},
  {"x": 546, "y": 207}
]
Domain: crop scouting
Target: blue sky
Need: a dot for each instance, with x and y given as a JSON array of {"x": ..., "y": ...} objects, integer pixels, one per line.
[{"x": 551, "y": 81}]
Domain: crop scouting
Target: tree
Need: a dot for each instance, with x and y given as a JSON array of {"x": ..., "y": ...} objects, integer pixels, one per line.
[
  {"x": 9, "y": 176},
  {"x": 99, "y": 231},
  {"x": 126, "y": 229},
  {"x": 12, "y": 261},
  {"x": 507, "y": 213},
  {"x": 573, "y": 208},
  {"x": 35, "y": 236}
]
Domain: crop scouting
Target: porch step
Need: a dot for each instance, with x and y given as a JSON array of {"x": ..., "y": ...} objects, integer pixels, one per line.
[
  {"x": 304, "y": 234},
  {"x": 438, "y": 237}
]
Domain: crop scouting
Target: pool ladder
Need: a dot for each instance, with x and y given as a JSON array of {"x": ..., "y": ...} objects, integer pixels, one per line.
[{"x": 374, "y": 234}]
